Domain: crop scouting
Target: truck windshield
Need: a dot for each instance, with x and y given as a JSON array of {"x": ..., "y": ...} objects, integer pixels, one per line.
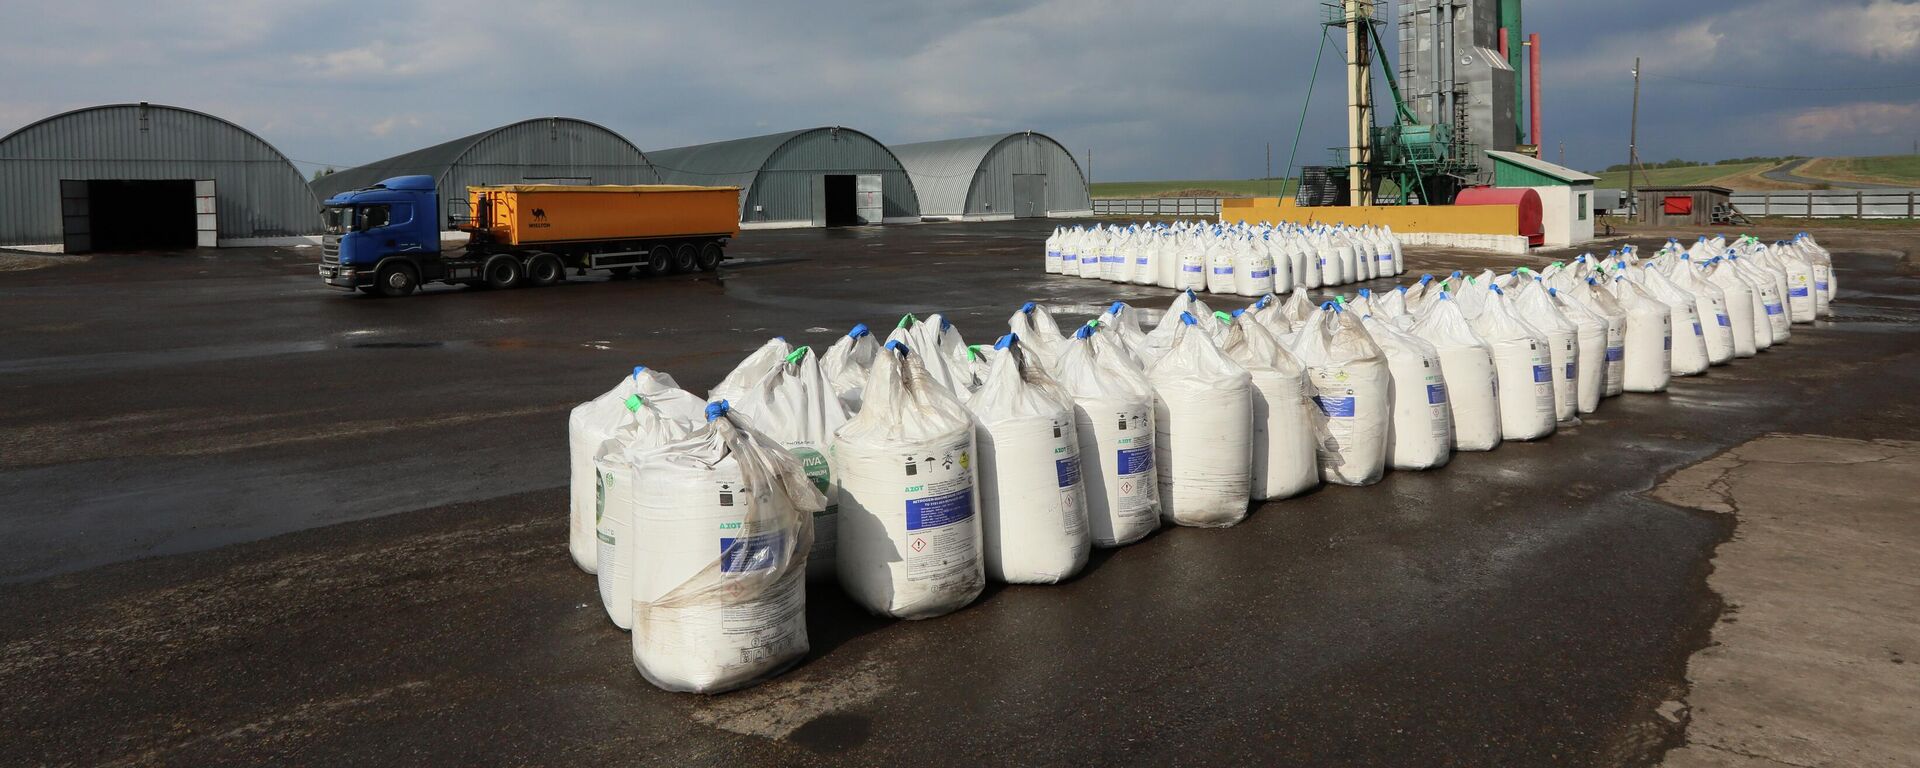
[{"x": 348, "y": 218}]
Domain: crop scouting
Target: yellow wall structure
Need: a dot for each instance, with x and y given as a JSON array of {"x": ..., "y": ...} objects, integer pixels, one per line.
[{"x": 1461, "y": 219}]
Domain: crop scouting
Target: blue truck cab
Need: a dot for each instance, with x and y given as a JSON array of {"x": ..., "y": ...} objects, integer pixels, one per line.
[{"x": 378, "y": 238}]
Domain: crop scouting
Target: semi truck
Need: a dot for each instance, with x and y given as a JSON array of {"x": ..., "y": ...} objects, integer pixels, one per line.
[{"x": 385, "y": 240}]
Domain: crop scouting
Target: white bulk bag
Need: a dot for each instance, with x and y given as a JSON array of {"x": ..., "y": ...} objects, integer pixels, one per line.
[
  {"x": 909, "y": 514},
  {"x": 1124, "y": 323},
  {"x": 1284, "y": 461},
  {"x": 1649, "y": 334},
  {"x": 1524, "y": 366},
  {"x": 1033, "y": 511},
  {"x": 1766, "y": 304},
  {"x": 1802, "y": 307},
  {"x": 1193, "y": 265},
  {"x": 1221, "y": 255},
  {"x": 589, "y": 426},
  {"x": 1146, "y": 258},
  {"x": 1161, "y": 338},
  {"x": 1052, "y": 262},
  {"x": 1039, "y": 333},
  {"x": 719, "y": 592},
  {"x": 945, "y": 353},
  {"x": 752, "y": 369},
  {"x": 1740, "y": 305},
  {"x": 1563, "y": 345},
  {"x": 1070, "y": 252},
  {"x": 1203, "y": 414},
  {"x": 1420, "y": 433},
  {"x": 643, "y": 431},
  {"x": 1689, "y": 337},
  {"x": 1281, "y": 261},
  {"x": 846, "y": 363},
  {"x": 1590, "y": 334},
  {"x": 1822, "y": 261},
  {"x": 1347, "y": 381},
  {"x": 1297, "y": 308},
  {"x": 1252, "y": 269},
  {"x": 1466, "y": 362},
  {"x": 1777, "y": 318},
  {"x": 1710, "y": 304},
  {"x": 1598, "y": 299},
  {"x": 1113, "y": 415},
  {"x": 1267, "y": 312},
  {"x": 795, "y": 406}
]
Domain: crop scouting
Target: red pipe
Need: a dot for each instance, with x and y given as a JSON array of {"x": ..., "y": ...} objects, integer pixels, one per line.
[{"x": 1533, "y": 89}]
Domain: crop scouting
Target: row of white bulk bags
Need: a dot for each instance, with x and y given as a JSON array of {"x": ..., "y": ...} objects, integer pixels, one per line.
[
  {"x": 1284, "y": 462},
  {"x": 1597, "y": 299},
  {"x": 909, "y": 511},
  {"x": 796, "y": 406},
  {"x": 1203, "y": 417},
  {"x": 1688, "y": 348},
  {"x": 724, "y": 527},
  {"x": 589, "y": 426},
  {"x": 1740, "y": 305},
  {"x": 1033, "y": 509},
  {"x": 1113, "y": 412},
  {"x": 1243, "y": 259},
  {"x": 1348, "y": 383},
  {"x": 1590, "y": 337}
]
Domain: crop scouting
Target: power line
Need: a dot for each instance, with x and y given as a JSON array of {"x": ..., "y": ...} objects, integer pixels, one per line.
[{"x": 1782, "y": 87}]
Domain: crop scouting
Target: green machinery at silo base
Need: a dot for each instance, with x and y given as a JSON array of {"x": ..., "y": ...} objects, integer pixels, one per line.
[{"x": 1425, "y": 163}]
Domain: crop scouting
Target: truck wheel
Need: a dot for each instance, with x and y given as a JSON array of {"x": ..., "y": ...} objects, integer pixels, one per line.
[
  {"x": 684, "y": 257},
  {"x": 396, "y": 280},
  {"x": 709, "y": 258},
  {"x": 659, "y": 260},
  {"x": 501, "y": 271},
  {"x": 545, "y": 269}
]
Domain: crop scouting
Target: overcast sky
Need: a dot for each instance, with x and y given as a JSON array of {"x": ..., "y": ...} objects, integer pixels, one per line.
[{"x": 1157, "y": 90}]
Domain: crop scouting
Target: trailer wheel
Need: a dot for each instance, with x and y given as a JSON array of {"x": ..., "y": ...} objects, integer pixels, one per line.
[
  {"x": 685, "y": 257},
  {"x": 545, "y": 269},
  {"x": 659, "y": 260},
  {"x": 396, "y": 280},
  {"x": 709, "y": 258},
  {"x": 501, "y": 271}
]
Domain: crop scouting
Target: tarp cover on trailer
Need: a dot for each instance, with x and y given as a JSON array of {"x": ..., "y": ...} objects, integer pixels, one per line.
[{"x": 259, "y": 192}]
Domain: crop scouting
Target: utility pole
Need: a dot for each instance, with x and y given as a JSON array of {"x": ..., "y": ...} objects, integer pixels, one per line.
[
  {"x": 1089, "y": 165},
  {"x": 1633, "y": 142},
  {"x": 1563, "y": 151},
  {"x": 1270, "y": 162}
]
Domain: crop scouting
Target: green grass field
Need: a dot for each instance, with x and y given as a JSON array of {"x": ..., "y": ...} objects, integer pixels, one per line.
[
  {"x": 1703, "y": 174},
  {"x": 1194, "y": 188},
  {"x": 1885, "y": 169}
]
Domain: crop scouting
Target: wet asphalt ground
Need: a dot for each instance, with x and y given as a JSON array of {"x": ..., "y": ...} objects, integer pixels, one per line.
[{"x": 244, "y": 519}]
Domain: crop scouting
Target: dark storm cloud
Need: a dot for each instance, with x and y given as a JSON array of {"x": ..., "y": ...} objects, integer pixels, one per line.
[{"x": 1155, "y": 89}]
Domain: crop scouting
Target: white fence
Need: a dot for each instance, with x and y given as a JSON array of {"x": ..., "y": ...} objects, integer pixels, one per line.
[
  {"x": 1831, "y": 203},
  {"x": 1157, "y": 206}
]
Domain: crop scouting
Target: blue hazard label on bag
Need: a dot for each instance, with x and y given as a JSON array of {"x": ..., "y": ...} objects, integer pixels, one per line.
[
  {"x": 753, "y": 553},
  {"x": 1133, "y": 461},
  {"x": 1724, "y": 322},
  {"x": 1616, "y": 354},
  {"x": 1436, "y": 394},
  {"x": 1667, "y": 343},
  {"x": 1068, "y": 469},
  {"x": 1800, "y": 291},
  {"x": 936, "y": 511},
  {"x": 1542, "y": 373},
  {"x": 1773, "y": 309},
  {"x": 1573, "y": 370},
  {"x": 1819, "y": 285},
  {"x": 1261, "y": 274},
  {"x": 1336, "y": 407},
  {"x": 1189, "y": 268},
  {"x": 1698, "y": 331},
  {"x": 1223, "y": 270},
  {"x": 1386, "y": 257}
]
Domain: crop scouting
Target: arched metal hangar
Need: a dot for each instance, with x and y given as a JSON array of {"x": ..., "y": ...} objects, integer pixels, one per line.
[{"x": 821, "y": 177}]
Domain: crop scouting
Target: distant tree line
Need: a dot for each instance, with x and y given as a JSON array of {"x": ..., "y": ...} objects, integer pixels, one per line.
[{"x": 1696, "y": 164}]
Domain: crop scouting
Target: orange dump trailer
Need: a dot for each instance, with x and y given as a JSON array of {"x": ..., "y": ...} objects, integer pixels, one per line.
[{"x": 546, "y": 214}]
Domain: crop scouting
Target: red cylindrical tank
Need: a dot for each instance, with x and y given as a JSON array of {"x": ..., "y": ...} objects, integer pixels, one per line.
[
  {"x": 1533, "y": 90},
  {"x": 1532, "y": 218}
]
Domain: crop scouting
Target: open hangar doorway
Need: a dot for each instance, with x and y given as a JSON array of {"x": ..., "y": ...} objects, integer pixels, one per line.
[{"x": 104, "y": 215}]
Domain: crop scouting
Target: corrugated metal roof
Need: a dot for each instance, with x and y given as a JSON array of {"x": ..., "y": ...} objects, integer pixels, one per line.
[
  {"x": 529, "y": 150},
  {"x": 945, "y": 172},
  {"x": 258, "y": 192},
  {"x": 1542, "y": 167},
  {"x": 732, "y": 163}
]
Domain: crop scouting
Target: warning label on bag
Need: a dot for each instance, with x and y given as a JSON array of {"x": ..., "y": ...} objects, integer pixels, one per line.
[{"x": 941, "y": 543}]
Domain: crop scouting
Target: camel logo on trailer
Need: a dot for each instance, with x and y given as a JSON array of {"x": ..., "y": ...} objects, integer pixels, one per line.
[{"x": 539, "y": 218}]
